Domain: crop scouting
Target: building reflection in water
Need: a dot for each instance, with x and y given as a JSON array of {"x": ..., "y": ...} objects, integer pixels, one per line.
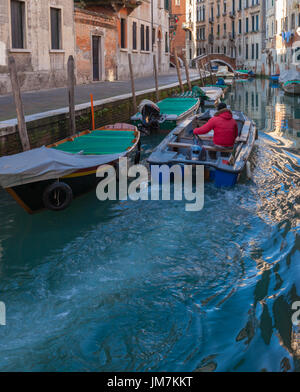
[{"x": 272, "y": 110}]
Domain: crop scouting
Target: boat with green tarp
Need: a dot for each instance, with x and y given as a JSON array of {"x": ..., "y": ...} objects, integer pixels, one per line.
[
  {"x": 164, "y": 115},
  {"x": 50, "y": 177}
]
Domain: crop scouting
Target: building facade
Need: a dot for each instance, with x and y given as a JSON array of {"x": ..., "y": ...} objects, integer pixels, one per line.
[
  {"x": 235, "y": 28},
  {"x": 283, "y": 35},
  {"x": 143, "y": 32},
  {"x": 122, "y": 27},
  {"x": 40, "y": 36}
]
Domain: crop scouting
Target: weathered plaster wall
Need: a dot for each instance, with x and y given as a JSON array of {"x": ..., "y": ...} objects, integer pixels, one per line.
[{"x": 39, "y": 67}]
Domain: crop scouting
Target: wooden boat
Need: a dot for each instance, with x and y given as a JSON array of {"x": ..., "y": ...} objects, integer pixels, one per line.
[
  {"x": 224, "y": 87},
  {"x": 242, "y": 73},
  {"x": 214, "y": 95},
  {"x": 224, "y": 73},
  {"x": 223, "y": 166},
  {"x": 164, "y": 115},
  {"x": 291, "y": 87},
  {"x": 50, "y": 177}
]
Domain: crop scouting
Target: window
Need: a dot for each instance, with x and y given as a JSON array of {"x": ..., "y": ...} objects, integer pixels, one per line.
[
  {"x": 252, "y": 51},
  {"x": 247, "y": 25},
  {"x": 134, "y": 44},
  {"x": 17, "y": 24},
  {"x": 240, "y": 26},
  {"x": 246, "y": 4},
  {"x": 147, "y": 38},
  {"x": 153, "y": 36},
  {"x": 166, "y": 42},
  {"x": 257, "y": 51},
  {"x": 240, "y": 5},
  {"x": 55, "y": 28},
  {"x": 293, "y": 21},
  {"x": 123, "y": 33},
  {"x": 142, "y": 37},
  {"x": 224, "y": 49},
  {"x": 177, "y": 2},
  {"x": 253, "y": 22},
  {"x": 224, "y": 7},
  {"x": 224, "y": 28},
  {"x": 247, "y": 50},
  {"x": 233, "y": 29},
  {"x": 218, "y": 30},
  {"x": 256, "y": 22}
]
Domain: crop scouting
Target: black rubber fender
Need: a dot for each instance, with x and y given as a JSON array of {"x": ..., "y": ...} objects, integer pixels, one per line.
[{"x": 57, "y": 196}]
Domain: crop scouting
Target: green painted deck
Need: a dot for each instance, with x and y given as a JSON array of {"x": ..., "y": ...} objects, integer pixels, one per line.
[{"x": 99, "y": 143}]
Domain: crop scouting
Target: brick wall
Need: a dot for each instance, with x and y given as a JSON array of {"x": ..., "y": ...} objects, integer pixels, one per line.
[
  {"x": 178, "y": 41},
  {"x": 87, "y": 24}
]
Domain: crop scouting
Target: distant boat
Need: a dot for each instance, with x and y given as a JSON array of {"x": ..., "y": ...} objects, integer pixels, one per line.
[
  {"x": 290, "y": 81},
  {"x": 222, "y": 165},
  {"x": 292, "y": 87},
  {"x": 243, "y": 73},
  {"x": 275, "y": 78},
  {"x": 50, "y": 177}
]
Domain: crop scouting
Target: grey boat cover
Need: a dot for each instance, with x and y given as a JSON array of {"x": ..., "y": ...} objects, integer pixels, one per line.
[
  {"x": 289, "y": 74},
  {"x": 45, "y": 164}
]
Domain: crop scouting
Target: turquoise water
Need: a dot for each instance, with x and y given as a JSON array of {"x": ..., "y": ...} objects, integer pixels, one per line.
[{"x": 146, "y": 286}]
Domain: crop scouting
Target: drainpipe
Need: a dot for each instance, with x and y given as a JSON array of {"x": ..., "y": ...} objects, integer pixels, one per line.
[{"x": 151, "y": 34}]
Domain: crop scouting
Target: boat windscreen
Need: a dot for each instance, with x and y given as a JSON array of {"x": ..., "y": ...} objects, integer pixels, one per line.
[{"x": 99, "y": 142}]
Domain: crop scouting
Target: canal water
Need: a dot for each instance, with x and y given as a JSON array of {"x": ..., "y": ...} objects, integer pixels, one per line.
[{"x": 147, "y": 286}]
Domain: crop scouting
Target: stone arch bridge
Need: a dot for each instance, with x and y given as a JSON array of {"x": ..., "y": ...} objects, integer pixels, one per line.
[{"x": 217, "y": 57}]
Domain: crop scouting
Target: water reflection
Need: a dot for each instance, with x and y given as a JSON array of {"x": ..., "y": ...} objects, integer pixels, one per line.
[{"x": 144, "y": 286}]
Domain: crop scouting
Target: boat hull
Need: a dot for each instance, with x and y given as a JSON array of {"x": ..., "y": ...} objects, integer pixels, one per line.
[
  {"x": 222, "y": 165},
  {"x": 292, "y": 88},
  {"x": 30, "y": 196}
]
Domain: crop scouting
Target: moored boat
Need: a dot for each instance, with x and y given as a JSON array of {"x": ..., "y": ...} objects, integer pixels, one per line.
[
  {"x": 50, "y": 177},
  {"x": 222, "y": 165},
  {"x": 275, "y": 77},
  {"x": 164, "y": 115},
  {"x": 291, "y": 87},
  {"x": 290, "y": 81},
  {"x": 243, "y": 73},
  {"x": 214, "y": 95}
]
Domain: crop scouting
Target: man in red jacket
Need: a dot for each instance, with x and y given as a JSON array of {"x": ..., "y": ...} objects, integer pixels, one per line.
[{"x": 224, "y": 126}]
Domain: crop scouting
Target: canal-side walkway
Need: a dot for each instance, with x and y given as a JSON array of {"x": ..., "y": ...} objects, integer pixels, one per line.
[{"x": 44, "y": 102}]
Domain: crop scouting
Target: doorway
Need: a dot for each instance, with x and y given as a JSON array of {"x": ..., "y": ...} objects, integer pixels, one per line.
[{"x": 96, "y": 53}]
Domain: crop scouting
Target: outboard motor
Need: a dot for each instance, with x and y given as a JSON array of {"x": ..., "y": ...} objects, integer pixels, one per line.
[{"x": 150, "y": 116}]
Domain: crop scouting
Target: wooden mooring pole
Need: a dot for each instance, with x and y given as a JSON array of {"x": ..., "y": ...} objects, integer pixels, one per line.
[
  {"x": 92, "y": 112},
  {"x": 210, "y": 71},
  {"x": 178, "y": 71},
  {"x": 200, "y": 73},
  {"x": 155, "y": 77},
  {"x": 132, "y": 83},
  {"x": 187, "y": 73},
  {"x": 71, "y": 93},
  {"x": 19, "y": 104}
]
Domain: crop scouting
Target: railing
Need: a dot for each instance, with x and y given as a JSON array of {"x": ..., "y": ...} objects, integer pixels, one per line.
[{"x": 232, "y": 14}]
